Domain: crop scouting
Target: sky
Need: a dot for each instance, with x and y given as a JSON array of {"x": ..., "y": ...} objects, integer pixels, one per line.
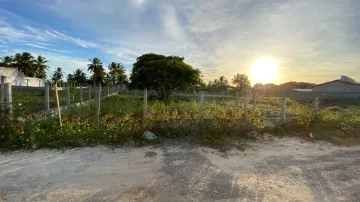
[{"x": 310, "y": 40}]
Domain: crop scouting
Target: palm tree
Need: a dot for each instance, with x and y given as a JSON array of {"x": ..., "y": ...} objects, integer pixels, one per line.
[
  {"x": 241, "y": 81},
  {"x": 41, "y": 67},
  {"x": 117, "y": 73},
  {"x": 79, "y": 76},
  {"x": 25, "y": 63},
  {"x": 6, "y": 61},
  {"x": 97, "y": 69},
  {"x": 58, "y": 75}
]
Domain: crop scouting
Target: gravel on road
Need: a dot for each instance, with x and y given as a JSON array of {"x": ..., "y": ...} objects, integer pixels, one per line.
[{"x": 286, "y": 169}]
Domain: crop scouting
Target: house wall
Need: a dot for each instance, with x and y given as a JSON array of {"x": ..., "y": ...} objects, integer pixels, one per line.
[
  {"x": 337, "y": 86},
  {"x": 302, "y": 96},
  {"x": 17, "y": 78}
]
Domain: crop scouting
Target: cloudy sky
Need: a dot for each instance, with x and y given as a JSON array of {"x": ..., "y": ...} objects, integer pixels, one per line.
[{"x": 311, "y": 40}]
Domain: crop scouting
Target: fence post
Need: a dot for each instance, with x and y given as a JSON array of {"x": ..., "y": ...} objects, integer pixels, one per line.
[
  {"x": 2, "y": 90},
  {"x": 145, "y": 101},
  {"x": 47, "y": 97},
  {"x": 8, "y": 99},
  {"x": 89, "y": 91},
  {"x": 237, "y": 99},
  {"x": 81, "y": 94},
  {"x": 201, "y": 114},
  {"x": 316, "y": 106},
  {"x": 245, "y": 106},
  {"x": 98, "y": 107},
  {"x": 67, "y": 95},
  {"x": 255, "y": 99},
  {"x": 283, "y": 109},
  {"x": 58, "y": 105}
]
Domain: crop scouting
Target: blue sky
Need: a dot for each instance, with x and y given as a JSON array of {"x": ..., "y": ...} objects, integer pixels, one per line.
[{"x": 311, "y": 40}]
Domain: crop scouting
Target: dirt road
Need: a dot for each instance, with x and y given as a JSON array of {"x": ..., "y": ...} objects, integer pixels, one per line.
[{"x": 280, "y": 170}]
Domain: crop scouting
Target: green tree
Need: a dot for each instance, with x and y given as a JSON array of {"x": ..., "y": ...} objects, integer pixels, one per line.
[
  {"x": 58, "y": 75},
  {"x": 41, "y": 67},
  {"x": 25, "y": 64},
  {"x": 163, "y": 74},
  {"x": 79, "y": 76},
  {"x": 241, "y": 82},
  {"x": 96, "y": 67},
  {"x": 117, "y": 73},
  {"x": 6, "y": 61}
]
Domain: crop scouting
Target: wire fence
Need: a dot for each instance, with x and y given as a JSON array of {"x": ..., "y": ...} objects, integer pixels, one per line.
[{"x": 98, "y": 103}]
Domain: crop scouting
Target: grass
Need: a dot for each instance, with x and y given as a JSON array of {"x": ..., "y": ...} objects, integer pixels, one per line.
[{"x": 122, "y": 123}]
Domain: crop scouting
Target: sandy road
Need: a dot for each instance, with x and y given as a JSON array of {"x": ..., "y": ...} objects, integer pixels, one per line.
[{"x": 280, "y": 170}]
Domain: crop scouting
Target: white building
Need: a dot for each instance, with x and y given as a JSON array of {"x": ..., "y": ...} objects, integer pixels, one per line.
[
  {"x": 342, "y": 88},
  {"x": 17, "y": 78}
]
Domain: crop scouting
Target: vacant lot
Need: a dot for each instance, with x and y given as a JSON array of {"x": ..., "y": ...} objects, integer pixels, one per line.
[{"x": 285, "y": 169}]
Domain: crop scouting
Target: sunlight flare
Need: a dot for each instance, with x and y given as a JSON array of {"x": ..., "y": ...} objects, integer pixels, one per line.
[{"x": 264, "y": 71}]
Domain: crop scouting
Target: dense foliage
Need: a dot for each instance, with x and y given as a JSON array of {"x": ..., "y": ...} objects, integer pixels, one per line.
[{"x": 163, "y": 74}]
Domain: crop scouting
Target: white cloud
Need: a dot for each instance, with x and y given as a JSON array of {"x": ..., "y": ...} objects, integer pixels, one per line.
[
  {"x": 43, "y": 47},
  {"x": 219, "y": 37}
]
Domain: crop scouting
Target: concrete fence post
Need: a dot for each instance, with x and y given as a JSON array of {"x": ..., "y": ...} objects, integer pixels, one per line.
[
  {"x": 316, "y": 105},
  {"x": 8, "y": 99},
  {"x": 98, "y": 99},
  {"x": 201, "y": 111},
  {"x": 246, "y": 107},
  {"x": 283, "y": 109},
  {"x": 145, "y": 102},
  {"x": 47, "y": 97},
  {"x": 237, "y": 99},
  {"x": 89, "y": 91},
  {"x": 255, "y": 100},
  {"x": 2, "y": 90},
  {"x": 81, "y": 93},
  {"x": 68, "y": 95}
]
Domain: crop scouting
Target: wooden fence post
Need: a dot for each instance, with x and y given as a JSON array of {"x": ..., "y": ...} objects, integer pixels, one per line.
[
  {"x": 67, "y": 95},
  {"x": 283, "y": 109},
  {"x": 47, "y": 97},
  {"x": 245, "y": 106},
  {"x": 58, "y": 105},
  {"x": 145, "y": 102},
  {"x": 201, "y": 111},
  {"x": 81, "y": 94},
  {"x": 316, "y": 106},
  {"x": 8, "y": 99}
]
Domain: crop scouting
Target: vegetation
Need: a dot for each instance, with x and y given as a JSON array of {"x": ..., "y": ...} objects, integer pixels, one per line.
[
  {"x": 122, "y": 123},
  {"x": 96, "y": 67},
  {"x": 163, "y": 74},
  {"x": 26, "y": 64}
]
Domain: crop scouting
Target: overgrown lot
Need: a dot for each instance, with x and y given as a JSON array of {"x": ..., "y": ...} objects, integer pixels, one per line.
[{"x": 122, "y": 123}]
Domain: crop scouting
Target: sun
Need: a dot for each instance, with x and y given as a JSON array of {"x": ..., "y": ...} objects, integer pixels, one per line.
[{"x": 264, "y": 71}]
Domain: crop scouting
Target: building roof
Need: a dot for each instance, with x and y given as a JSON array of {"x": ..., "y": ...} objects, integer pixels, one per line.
[{"x": 344, "y": 79}]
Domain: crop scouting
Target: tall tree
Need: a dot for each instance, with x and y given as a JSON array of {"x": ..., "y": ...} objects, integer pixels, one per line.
[
  {"x": 58, "y": 75},
  {"x": 25, "y": 64},
  {"x": 6, "y": 61},
  {"x": 117, "y": 73},
  {"x": 79, "y": 76},
  {"x": 241, "y": 81},
  {"x": 163, "y": 74},
  {"x": 41, "y": 67},
  {"x": 96, "y": 67}
]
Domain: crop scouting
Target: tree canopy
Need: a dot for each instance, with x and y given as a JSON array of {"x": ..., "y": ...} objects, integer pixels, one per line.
[
  {"x": 96, "y": 67},
  {"x": 163, "y": 74},
  {"x": 27, "y": 64},
  {"x": 117, "y": 73},
  {"x": 241, "y": 82}
]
